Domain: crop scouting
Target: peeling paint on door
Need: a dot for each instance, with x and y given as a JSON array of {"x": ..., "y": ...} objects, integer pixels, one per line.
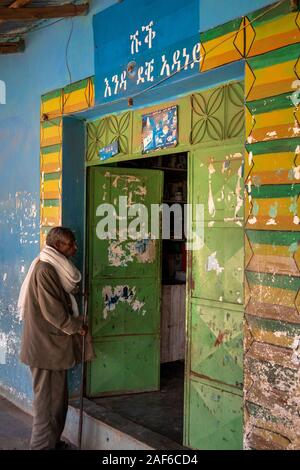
[
  {"x": 122, "y": 253},
  {"x": 112, "y": 296},
  {"x": 238, "y": 192},
  {"x": 213, "y": 264},
  {"x": 211, "y": 204},
  {"x": 124, "y": 281}
]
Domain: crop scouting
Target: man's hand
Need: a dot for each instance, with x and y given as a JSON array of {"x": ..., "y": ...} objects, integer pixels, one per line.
[{"x": 83, "y": 330}]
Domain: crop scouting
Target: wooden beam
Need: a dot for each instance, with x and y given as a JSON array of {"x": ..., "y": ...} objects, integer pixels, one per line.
[
  {"x": 17, "y": 4},
  {"x": 12, "y": 47},
  {"x": 42, "y": 13}
]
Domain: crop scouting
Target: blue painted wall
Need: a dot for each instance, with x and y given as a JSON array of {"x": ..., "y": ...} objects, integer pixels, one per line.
[
  {"x": 42, "y": 68},
  {"x": 215, "y": 12}
]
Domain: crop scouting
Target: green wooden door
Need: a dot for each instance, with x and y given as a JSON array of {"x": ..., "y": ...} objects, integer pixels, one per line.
[
  {"x": 214, "y": 368},
  {"x": 215, "y": 294},
  {"x": 124, "y": 285},
  {"x": 214, "y": 365}
]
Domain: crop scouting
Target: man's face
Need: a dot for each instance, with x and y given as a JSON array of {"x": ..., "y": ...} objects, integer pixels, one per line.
[{"x": 67, "y": 246}]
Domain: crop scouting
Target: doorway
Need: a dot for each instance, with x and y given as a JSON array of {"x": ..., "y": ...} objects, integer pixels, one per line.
[{"x": 161, "y": 410}]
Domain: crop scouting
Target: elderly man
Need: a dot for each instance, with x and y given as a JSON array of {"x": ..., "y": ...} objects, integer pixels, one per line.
[{"x": 51, "y": 322}]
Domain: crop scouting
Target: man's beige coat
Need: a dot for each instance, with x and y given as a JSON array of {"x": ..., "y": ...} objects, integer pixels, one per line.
[{"x": 49, "y": 340}]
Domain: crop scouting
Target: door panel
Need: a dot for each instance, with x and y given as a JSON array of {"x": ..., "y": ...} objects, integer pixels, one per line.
[
  {"x": 128, "y": 258},
  {"x": 218, "y": 270},
  {"x": 125, "y": 364},
  {"x": 217, "y": 342},
  {"x": 214, "y": 365},
  {"x": 219, "y": 170},
  {"x": 215, "y": 418},
  {"x": 123, "y": 306},
  {"x": 124, "y": 286}
]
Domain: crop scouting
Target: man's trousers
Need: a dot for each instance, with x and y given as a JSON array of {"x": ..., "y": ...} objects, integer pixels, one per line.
[{"x": 50, "y": 406}]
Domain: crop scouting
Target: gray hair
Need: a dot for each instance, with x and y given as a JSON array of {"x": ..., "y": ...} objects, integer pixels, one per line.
[{"x": 56, "y": 234}]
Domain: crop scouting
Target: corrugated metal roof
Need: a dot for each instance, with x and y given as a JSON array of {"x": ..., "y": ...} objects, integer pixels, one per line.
[{"x": 12, "y": 30}]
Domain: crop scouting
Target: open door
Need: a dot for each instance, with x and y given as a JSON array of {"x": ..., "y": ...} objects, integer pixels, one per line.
[
  {"x": 124, "y": 280},
  {"x": 214, "y": 364}
]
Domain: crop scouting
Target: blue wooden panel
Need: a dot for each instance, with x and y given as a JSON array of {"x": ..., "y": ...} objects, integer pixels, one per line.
[{"x": 158, "y": 37}]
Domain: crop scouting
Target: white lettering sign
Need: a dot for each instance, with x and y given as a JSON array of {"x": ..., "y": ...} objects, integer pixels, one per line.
[
  {"x": 135, "y": 43},
  {"x": 151, "y": 34},
  {"x": 174, "y": 63}
]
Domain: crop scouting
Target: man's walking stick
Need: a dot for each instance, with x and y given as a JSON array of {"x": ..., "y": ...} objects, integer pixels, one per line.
[{"x": 82, "y": 374}]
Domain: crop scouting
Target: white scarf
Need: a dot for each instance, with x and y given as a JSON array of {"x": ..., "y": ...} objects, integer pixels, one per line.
[{"x": 68, "y": 274}]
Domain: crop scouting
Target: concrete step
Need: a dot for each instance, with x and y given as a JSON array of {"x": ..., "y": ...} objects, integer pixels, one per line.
[{"x": 106, "y": 430}]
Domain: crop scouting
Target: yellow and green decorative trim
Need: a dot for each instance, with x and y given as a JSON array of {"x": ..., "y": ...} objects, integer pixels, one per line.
[
  {"x": 52, "y": 105},
  {"x": 78, "y": 96},
  {"x": 51, "y": 132},
  {"x": 247, "y": 36},
  {"x": 274, "y": 29},
  {"x": 73, "y": 98},
  {"x": 221, "y": 45},
  {"x": 51, "y": 158},
  {"x": 273, "y": 73}
]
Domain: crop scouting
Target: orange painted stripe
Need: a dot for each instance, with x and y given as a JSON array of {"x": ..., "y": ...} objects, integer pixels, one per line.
[
  {"x": 275, "y": 41},
  {"x": 273, "y": 177},
  {"x": 281, "y": 205},
  {"x": 272, "y": 89},
  {"x": 283, "y": 131},
  {"x": 274, "y": 265},
  {"x": 282, "y": 223},
  {"x": 50, "y": 167},
  {"x": 272, "y": 311},
  {"x": 213, "y": 62},
  {"x": 50, "y": 194},
  {"x": 51, "y": 221},
  {"x": 71, "y": 108},
  {"x": 76, "y": 107},
  {"x": 51, "y": 141},
  {"x": 51, "y": 114}
]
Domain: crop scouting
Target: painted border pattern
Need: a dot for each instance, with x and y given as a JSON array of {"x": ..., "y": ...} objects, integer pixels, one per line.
[
  {"x": 270, "y": 45},
  {"x": 272, "y": 179},
  {"x": 54, "y": 105}
]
